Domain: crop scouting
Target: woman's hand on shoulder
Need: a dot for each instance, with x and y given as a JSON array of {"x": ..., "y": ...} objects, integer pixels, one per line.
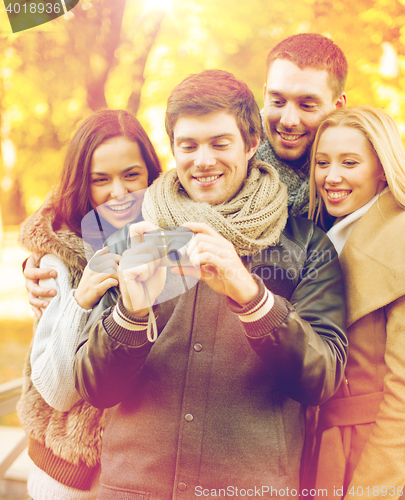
[{"x": 100, "y": 274}]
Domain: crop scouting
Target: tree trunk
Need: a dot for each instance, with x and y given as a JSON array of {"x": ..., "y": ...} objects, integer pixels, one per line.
[
  {"x": 101, "y": 58},
  {"x": 151, "y": 29}
]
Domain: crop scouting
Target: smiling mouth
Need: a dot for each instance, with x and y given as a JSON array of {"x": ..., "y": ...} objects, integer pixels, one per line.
[
  {"x": 335, "y": 195},
  {"x": 208, "y": 179},
  {"x": 290, "y": 137},
  {"x": 121, "y": 208}
]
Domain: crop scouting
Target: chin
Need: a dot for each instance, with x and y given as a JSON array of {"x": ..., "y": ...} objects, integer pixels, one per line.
[
  {"x": 120, "y": 223},
  {"x": 334, "y": 212},
  {"x": 291, "y": 155}
]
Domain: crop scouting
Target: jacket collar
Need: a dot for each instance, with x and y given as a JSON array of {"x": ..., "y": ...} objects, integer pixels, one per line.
[{"x": 372, "y": 259}]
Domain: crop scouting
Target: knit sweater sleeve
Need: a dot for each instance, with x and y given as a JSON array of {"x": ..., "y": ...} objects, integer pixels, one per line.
[{"x": 56, "y": 339}]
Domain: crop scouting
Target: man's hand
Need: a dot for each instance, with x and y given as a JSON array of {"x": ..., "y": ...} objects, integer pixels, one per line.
[
  {"x": 100, "y": 274},
  {"x": 139, "y": 267},
  {"x": 216, "y": 262},
  {"x": 32, "y": 275}
]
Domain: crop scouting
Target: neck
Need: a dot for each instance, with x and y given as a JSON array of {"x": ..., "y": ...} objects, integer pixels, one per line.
[{"x": 301, "y": 164}]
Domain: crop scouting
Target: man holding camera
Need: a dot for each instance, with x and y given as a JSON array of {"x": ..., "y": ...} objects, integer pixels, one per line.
[
  {"x": 305, "y": 80},
  {"x": 206, "y": 366}
]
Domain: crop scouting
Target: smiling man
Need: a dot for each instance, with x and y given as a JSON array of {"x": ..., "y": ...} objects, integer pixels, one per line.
[
  {"x": 214, "y": 402},
  {"x": 211, "y": 157},
  {"x": 305, "y": 80}
]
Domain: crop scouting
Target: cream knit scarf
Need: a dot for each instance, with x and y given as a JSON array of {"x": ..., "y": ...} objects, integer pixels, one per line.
[{"x": 253, "y": 220}]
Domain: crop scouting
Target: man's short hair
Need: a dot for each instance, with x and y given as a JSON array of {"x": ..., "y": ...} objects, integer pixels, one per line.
[
  {"x": 311, "y": 50},
  {"x": 215, "y": 90}
]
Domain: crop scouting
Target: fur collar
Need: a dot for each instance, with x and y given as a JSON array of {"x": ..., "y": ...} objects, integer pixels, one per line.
[{"x": 37, "y": 234}]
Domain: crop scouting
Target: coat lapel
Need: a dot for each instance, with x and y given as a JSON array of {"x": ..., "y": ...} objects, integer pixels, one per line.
[{"x": 373, "y": 259}]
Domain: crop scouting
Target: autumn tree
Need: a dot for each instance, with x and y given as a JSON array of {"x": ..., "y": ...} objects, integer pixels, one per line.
[{"x": 129, "y": 54}]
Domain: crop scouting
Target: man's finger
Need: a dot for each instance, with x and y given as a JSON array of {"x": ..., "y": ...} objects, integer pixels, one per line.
[
  {"x": 39, "y": 291},
  {"x": 136, "y": 231},
  {"x": 201, "y": 227},
  {"x": 146, "y": 247},
  {"x": 35, "y": 258},
  {"x": 36, "y": 273},
  {"x": 37, "y": 311},
  {"x": 133, "y": 261},
  {"x": 37, "y": 303},
  {"x": 188, "y": 271}
]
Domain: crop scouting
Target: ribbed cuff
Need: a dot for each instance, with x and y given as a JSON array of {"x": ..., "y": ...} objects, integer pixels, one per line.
[
  {"x": 126, "y": 329},
  {"x": 78, "y": 476},
  {"x": 263, "y": 314}
]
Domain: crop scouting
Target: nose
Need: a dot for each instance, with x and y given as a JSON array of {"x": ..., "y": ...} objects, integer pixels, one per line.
[
  {"x": 118, "y": 189},
  {"x": 204, "y": 157},
  {"x": 334, "y": 174},
  {"x": 290, "y": 116}
]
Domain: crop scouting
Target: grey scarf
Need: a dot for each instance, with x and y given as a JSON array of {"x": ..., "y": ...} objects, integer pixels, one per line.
[{"x": 297, "y": 181}]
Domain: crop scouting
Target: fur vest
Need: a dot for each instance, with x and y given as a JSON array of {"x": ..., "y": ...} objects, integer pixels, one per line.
[{"x": 65, "y": 445}]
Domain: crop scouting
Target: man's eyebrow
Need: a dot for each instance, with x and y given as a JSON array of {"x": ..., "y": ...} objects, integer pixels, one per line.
[{"x": 313, "y": 97}]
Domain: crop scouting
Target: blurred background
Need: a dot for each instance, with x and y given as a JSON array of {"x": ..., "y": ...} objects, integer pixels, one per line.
[{"x": 130, "y": 54}]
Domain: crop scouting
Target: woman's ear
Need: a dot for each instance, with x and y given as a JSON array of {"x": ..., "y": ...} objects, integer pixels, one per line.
[
  {"x": 382, "y": 176},
  {"x": 382, "y": 184}
]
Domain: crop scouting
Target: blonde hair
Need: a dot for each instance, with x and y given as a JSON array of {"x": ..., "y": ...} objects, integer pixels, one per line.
[{"x": 382, "y": 132}]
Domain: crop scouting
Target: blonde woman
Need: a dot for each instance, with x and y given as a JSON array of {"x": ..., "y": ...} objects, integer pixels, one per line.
[{"x": 358, "y": 176}]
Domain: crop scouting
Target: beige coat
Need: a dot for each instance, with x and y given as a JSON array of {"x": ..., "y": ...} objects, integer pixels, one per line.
[{"x": 363, "y": 441}]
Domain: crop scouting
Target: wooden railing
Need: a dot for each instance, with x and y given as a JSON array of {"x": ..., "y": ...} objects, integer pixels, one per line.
[{"x": 10, "y": 393}]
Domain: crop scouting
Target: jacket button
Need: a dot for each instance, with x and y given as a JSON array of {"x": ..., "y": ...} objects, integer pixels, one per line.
[
  {"x": 189, "y": 417},
  {"x": 182, "y": 486},
  {"x": 198, "y": 347}
]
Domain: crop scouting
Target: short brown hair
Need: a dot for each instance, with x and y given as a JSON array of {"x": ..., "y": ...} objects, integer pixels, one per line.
[
  {"x": 72, "y": 196},
  {"x": 215, "y": 90},
  {"x": 311, "y": 50}
]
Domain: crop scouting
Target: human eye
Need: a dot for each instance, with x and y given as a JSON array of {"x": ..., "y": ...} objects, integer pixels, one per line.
[
  {"x": 187, "y": 147},
  {"x": 98, "y": 180},
  {"x": 132, "y": 175},
  {"x": 277, "y": 102},
  {"x": 321, "y": 163},
  {"x": 308, "y": 106},
  {"x": 350, "y": 163},
  {"x": 221, "y": 145}
]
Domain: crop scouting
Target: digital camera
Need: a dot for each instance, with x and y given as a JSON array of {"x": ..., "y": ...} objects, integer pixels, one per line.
[{"x": 172, "y": 244}]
